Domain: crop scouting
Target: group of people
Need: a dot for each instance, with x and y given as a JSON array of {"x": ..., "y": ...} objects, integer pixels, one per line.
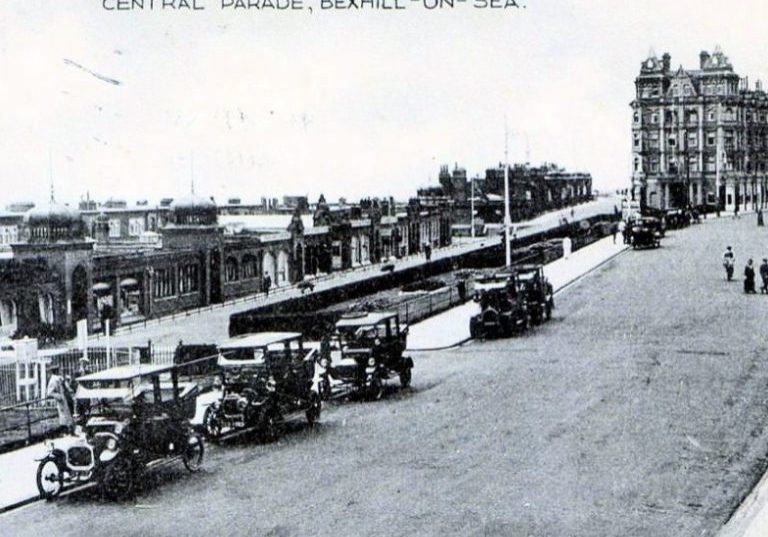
[
  {"x": 62, "y": 390},
  {"x": 729, "y": 260}
]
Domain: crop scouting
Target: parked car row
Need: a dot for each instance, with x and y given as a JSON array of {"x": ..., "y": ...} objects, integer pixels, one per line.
[
  {"x": 510, "y": 302},
  {"x": 135, "y": 417}
]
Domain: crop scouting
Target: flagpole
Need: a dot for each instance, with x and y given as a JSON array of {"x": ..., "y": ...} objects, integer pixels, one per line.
[{"x": 507, "y": 220}]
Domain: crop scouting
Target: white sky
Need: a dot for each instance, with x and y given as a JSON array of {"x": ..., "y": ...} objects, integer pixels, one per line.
[{"x": 345, "y": 103}]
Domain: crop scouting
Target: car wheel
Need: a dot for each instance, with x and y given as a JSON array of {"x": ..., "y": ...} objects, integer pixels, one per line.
[
  {"x": 118, "y": 480},
  {"x": 194, "y": 453},
  {"x": 376, "y": 387},
  {"x": 270, "y": 426},
  {"x": 211, "y": 423},
  {"x": 50, "y": 478},
  {"x": 405, "y": 377},
  {"x": 315, "y": 408}
]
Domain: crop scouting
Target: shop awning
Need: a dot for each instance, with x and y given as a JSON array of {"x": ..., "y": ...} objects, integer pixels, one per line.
[
  {"x": 100, "y": 287},
  {"x": 129, "y": 282}
]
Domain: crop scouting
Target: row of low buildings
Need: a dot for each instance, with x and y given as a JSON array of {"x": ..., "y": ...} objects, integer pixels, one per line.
[
  {"x": 126, "y": 264},
  {"x": 699, "y": 136},
  {"x": 532, "y": 191}
]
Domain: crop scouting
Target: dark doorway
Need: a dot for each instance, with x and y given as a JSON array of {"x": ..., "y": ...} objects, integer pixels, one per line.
[
  {"x": 215, "y": 276},
  {"x": 299, "y": 262},
  {"x": 80, "y": 293}
]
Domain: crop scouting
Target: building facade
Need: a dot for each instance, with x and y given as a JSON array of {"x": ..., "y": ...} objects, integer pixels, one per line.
[{"x": 699, "y": 137}]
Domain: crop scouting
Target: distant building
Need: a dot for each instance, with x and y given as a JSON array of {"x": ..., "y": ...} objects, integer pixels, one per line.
[{"x": 699, "y": 136}]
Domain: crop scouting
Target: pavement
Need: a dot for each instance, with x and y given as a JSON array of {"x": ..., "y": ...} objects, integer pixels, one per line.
[
  {"x": 451, "y": 327},
  {"x": 640, "y": 410}
]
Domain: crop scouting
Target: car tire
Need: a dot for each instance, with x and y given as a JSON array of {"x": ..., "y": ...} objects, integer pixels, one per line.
[
  {"x": 211, "y": 423},
  {"x": 376, "y": 388},
  {"x": 270, "y": 427},
  {"x": 119, "y": 479},
  {"x": 315, "y": 408},
  {"x": 194, "y": 452},
  {"x": 405, "y": 377},
  {"x": 49, "y": 472}
]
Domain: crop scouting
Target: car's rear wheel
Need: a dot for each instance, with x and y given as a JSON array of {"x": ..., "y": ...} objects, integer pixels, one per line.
[
  {"x": 119, "y": 479},
  {"x": 194, "y": 453},
  {"x": 50, "y": 478}
]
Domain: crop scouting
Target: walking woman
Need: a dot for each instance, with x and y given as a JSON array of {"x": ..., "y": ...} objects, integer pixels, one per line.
[{"x": 749, "y": 278}]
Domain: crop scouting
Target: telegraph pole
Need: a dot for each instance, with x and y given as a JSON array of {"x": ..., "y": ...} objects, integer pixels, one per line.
[
  {"x": 507, "y": 220},
  {"x": 472, "y": 209}
]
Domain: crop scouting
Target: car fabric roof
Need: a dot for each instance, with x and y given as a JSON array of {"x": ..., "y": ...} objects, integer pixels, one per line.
[
  {"x": 261, "y": 339},
  {"x": 125, "y": 372},
  {"x": 365, "y": 320}
]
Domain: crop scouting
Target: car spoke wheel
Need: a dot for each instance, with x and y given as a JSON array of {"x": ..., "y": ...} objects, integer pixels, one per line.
[
  {"x": 270, "y": 427},
  {"x": 211, "y": 423},
  {"x": 193, "y": 453},
  {"x": 50, "y": 478},
  {"x": 405, "y": 377},
  {"x": 118, "y": 481},
  {"x": 315, "y": 408},
  {"x": 376, "y": 388}
]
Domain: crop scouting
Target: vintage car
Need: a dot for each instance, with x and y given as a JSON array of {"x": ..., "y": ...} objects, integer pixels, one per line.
[
  {"x": 646, "y": 232},
  {"x": 537, "y": 290},
  {"x": 365, "y": 351},
  {"x": 503, "y": 309},
  {"x": 135, "y": 417},
  {"x": 267, "y": 379}
]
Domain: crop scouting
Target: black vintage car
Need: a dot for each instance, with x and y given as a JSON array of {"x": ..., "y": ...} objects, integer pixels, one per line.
[
  {"x": 503, "y": 309},
  {"x": 365, "y": 351},
  {"x": 267, "y": 379},
  {"x": 646, "y": 232},
  {"x": 537, "y": 290},
  {"x": 137, "y": 417}
]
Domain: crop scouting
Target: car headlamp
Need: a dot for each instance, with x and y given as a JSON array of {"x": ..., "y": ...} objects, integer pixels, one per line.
[
  {"x": 324, "y": 362},
  {"x": 242, "y": 403},
  {"x": 371, "y": 362},
  {"x": 111, "y": 444}
]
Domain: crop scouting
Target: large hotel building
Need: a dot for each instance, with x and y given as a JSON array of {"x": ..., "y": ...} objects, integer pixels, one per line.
[{"x": 699, "y": 137}]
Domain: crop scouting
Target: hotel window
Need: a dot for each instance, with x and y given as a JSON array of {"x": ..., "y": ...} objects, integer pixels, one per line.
[
  {"x": 654, "y": 118},
  {"x": 114, "y": 228},
  {"x": 654, "y": 165},
  {"x": 163, "y": 284},
  {"x": 711, "y": 115},
  {"x": 230, "y": 270},
  {"x": 188, "y": 279},
  {"x": 250, "y": 266},
  {"x": 45, "y": 306},
  {"x": 687, "y": 89},
  {"x": 710, "y": 139},
  {"x": 671, "y": 141},
  {"x": 692, "y": 140},
  {"x": 636, "y": 117},
  {"x": 693, "y": 164},
  {"x": 135, "y": 226},
  {"x": 637, "y": 140}
]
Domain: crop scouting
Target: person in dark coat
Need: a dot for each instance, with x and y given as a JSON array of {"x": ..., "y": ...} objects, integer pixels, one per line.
[
  {"x": 764, "y": 275},
  {"x": 749, "y": 278},
  {"x": 267, "y": 283}
]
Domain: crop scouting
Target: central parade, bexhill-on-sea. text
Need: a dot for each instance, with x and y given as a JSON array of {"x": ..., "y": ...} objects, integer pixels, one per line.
[{"x": 302, "y": 5}]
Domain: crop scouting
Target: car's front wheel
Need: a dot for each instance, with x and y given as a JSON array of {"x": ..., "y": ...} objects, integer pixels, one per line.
[
  {"x": 194, "y": 453},
  {"x": 211, "y": 423},
  {"x": 405, "y": 377},
  {"x": 119, "y": 479},
  {"x": 315, "y": 408},
  {"x": 50, "y": 478}
]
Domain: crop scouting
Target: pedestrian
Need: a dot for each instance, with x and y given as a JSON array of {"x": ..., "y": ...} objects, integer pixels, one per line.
[
  {"x": 267, "y": 283},
  {"x": 83, "y": 406},
  {"x": 764, "y": 276},
  {"x": 749, "y": 277},
  {"x": 428, "y": 252},
  {"x": 760, "y": 222},
  {"x": 57, "y": 390}
]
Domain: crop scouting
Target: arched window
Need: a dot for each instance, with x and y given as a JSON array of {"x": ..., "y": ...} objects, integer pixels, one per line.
[
  {"x": 8, "y": 320},
  {"x": 282, "y": 268},
  {"x": 231, "y": 270},
  {"x": 250, "y": 266},
  {"x": 45, "y": 304}
]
